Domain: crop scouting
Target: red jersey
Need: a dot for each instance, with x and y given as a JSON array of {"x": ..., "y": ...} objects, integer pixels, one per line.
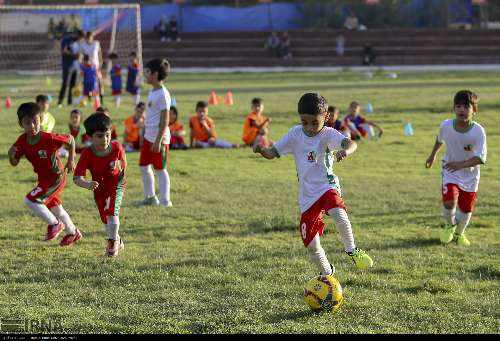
[
  {"x": 108, "y": 171},
  {"x": 43, "y": 155}
]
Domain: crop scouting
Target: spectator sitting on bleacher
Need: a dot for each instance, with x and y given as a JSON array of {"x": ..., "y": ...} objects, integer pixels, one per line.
[
  {"x": 61, "y": 28},
  {"x": 173, "y": 33},
  {"x": 273, "y": 43},
  {"x": 284, "y": 46},
  {"x": 162, "y": 28},
  {"x": 351, "y": 22}
]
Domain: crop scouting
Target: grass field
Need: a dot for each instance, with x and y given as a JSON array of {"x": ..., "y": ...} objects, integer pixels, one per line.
[{"x": 228, "y": 258}]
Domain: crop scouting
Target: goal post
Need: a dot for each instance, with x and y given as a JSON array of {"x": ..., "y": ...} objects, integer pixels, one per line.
[{"x": 30, "y": 35}]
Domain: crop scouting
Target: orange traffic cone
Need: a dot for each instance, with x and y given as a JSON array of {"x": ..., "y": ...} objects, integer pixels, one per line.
[
  {"x": 97, "y": 103},
  {"x": 8, "y": 102},
  {"x": 228, "y": 100},
  {"x": 212, "y": 99}
]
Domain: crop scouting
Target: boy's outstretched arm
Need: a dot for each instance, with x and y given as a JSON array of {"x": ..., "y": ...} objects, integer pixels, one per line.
[
  {"x": 81, "y": 182},
  {"x": 268, "y": 153},
  {"x": 70, "y": 165},
  {"x": 348, "y": 147},
  {"x": 14, "y": 161},
  {"x": 432, "y": 157}
]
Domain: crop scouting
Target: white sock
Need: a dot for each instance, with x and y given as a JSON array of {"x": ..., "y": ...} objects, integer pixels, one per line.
[
  {"x": 63, "y": 216},
  {"x": 463, "y": 220},
  {"x": 449, "y": 216},
  {"x": 41, "y": 211},
  {"x": 148, "y": 181},
  {"x": 318, "y": 256},
  {"x": 164, "y": 185},
  {"x": 118, "y": 100},
  {"x": 112, "y": 227},
  {"x": 343, "y": 225},
  {"x": 137, "y": 98}
]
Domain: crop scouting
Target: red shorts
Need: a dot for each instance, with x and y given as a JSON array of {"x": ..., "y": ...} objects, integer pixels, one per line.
[
  {"x": 109, "y": 201},
  {"x": 116, "y": 92},
  {"x": 48, "y": 191},
  {"x": 311, "y": 222},
  {"x": 147, "y": 157},
  {"x": 466, "y": 200}
]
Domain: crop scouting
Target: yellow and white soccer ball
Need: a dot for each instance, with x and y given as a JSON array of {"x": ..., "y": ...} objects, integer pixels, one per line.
[{"x": 323, "y": 293}]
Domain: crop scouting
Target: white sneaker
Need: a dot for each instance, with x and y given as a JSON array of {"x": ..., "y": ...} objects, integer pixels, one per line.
[{"x": 165, "y": 203}]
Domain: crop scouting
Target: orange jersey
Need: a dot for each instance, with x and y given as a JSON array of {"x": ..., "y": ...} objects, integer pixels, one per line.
[
  {"x": 132, "y": 129},
  {"x": 176, "y": 126},
  {"x": 198, "y": 132},
  {"x": 250, "y": 132}
]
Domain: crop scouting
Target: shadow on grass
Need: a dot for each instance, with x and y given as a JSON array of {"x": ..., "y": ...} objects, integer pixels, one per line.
[
  {"x": 431, "y": 287},
  {"x": 293, "y": 316},
  {"x": 486, "y": 273},
  {"x": 409, "y": 243}
]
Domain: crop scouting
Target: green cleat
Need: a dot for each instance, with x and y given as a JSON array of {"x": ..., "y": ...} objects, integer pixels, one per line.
[
  {"x": 447, "y": 234},
  {"x": 461, "y": 240},
  {"x": 361, "y": 259}
]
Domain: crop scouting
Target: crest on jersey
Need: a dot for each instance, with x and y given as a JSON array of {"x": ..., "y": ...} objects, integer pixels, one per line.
[
  {"x": 468, "y": 148},
  {"x": 311, "y": 156},
  {"x": 42, "y": 154}
]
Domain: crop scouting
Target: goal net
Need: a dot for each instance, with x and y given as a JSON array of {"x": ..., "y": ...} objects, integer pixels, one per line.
[{"x": 30, "y": 36}]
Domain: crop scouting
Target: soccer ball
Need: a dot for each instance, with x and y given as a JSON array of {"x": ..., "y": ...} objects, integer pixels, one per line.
[{"x": 323, "y": 293}]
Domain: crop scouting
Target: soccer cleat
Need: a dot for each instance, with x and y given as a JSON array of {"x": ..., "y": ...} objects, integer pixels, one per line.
[
  {"x": 151, "y": 201},
  {"x": 461, "y": 240},
  {"x": 113, "y": 247},
  {"x": 361, "y": 259},
  {"x": 164, "y": 203},
  {"x": 54, "y": 230},
  {"x": 447, "y": 234},
  {"x": 70, "y": 239}
]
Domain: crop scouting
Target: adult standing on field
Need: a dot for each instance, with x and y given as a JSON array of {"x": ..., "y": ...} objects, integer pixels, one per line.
[
  {"x": 92, "y": 48},
  {"x": 70, "y": 51}
]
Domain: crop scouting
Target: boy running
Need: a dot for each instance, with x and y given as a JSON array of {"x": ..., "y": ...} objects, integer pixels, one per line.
[
  {"x": 465, "y": 150},
  {"x": 41, "y": 149},
  {"x": 107, "y": 164}
]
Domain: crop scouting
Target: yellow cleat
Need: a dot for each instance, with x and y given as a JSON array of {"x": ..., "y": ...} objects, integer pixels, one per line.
[{"x": 447, "y": 234}]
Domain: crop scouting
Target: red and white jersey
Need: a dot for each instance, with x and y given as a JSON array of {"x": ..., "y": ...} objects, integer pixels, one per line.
[
  {"x": 462, "y": 146},
  {"x": 313, "y": 161},
  {"x": 108, "y": 170},
  {"x": 158, "y": 101},
  {"x": 43, "y": 155}
]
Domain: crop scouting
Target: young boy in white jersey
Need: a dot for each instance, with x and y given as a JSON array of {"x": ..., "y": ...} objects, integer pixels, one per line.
[
  {"x": 311, "y": 144},
  {"x": 156, "y": 135},
  {"x": 465, "y": 150}
]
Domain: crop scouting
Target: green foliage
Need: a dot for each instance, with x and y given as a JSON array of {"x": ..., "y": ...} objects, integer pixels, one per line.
[{"x": 228, "y": 258}]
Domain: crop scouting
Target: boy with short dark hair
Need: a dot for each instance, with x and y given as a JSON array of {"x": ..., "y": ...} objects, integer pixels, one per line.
[
  {"x": 47, "y": 120},
  {"x": 319, "y": 191},
  {"x": 41, "y": 149},
  {"x": 359, "y": 126},
  {"x": 134, "y": 78},
  {"x": 107, "y": 164},
  {"x": 133, "y": 127},
  {"x": 154, "y": 150},
  {"x": 465, "y": 151},
  {"x": 116, "y": 78},
  {"x": 256, "y": 125}
]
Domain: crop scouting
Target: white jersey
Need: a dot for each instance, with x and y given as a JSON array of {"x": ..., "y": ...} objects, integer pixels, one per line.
[
  {"x": 158, "y": 101},
  {"x": 460, "y": 147},
  {"x": 91, "y": 50},
  {"x": 313, "y": 161}
]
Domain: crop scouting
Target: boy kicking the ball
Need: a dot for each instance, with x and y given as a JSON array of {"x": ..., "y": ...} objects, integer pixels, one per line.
[
  {"x": 106, "y": 161},
  {"x": 311, "y": 144},
  {"x": 465, "y": 150}
]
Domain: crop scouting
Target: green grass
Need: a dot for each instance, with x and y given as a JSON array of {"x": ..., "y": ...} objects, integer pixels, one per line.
[{"x": 228, "y": 258}]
